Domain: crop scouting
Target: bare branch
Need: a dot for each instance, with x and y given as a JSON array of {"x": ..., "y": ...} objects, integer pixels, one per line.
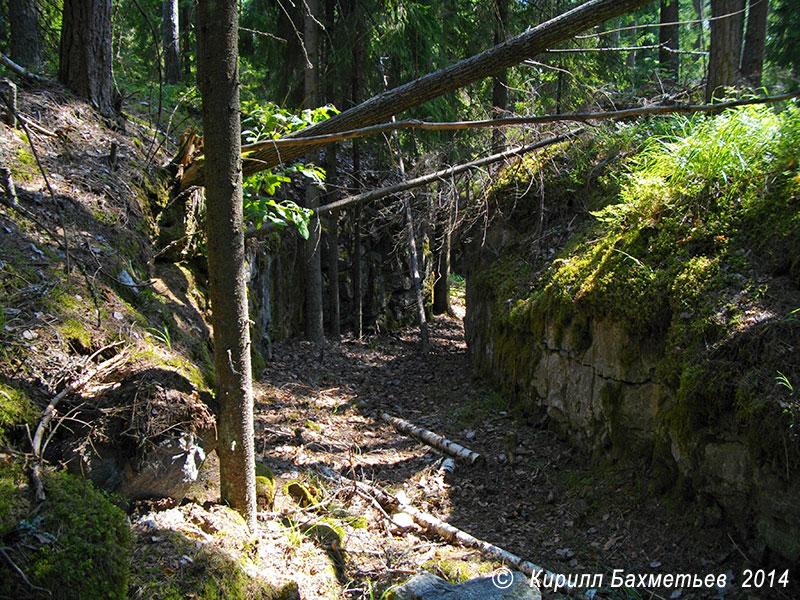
[{"x": 425, "y": 179}]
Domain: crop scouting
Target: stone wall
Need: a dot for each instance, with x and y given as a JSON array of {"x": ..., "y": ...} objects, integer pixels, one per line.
[{"x": 599, "y": 386}]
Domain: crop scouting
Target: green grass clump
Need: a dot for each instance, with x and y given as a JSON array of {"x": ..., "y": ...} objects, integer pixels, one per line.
[{"x": 705, "y": 212}]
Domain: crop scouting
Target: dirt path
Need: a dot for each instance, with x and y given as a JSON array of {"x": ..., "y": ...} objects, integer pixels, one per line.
[{"x": 545, "y": 502}]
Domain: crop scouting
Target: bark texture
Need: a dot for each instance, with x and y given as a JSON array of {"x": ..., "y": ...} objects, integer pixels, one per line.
[
  {"x": 754, "y": 40},
  {"x": 313, "y": 253},
  {"x": 85, "y": 52},
  {"x": 218, "y": 80},
  {"x": 499, "y": 86},
  {"x": 24, "y": 45},
  {"x": 668, "y": 37},
  {"x": 382, "y": 107},
  {"x": 726, "y": 46},
  {"x": 171, "y": 39}
]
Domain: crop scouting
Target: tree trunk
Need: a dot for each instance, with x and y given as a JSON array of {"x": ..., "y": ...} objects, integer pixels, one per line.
[
  {"x": 171, "y": 38},
  {"x": 218, "y": 80},
  {"x": 443, "y": 81},
  {"x": 499, "y": 87},
  {"x": 668, "y": 37},
  {"x": 441, "y": 282},
  {"x": 754, "y": 39},
  {"x": 85, "y": 53},
  {"x": 313, "y": 255},
  {"x": 726, "y": 47},
  {"x": 185, "y": 22},
  {"x": 24, "y": 46},
  {"x": 416, "y": 280},
  {"x": 358, "y": 317},
  {"x": 334, "y": 326}
]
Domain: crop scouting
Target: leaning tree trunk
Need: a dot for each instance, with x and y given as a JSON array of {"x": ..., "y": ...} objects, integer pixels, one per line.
[
  {"x": 438, "y": 83},
  {"x": 218, "y": 80},
  {"x": 171, "y": 39},
  {"x": 24, "y": 46},
  {"x": 754, "y": 39},
  {"x": 726, "y": 46},
  {"x": 85, "y": 53}
]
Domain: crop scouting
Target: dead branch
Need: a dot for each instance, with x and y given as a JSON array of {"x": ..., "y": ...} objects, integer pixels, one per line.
[
  {"x": 425, "y": 179},
  {"x": 300, "y": 141},
  {"x": 436, "y": 84},
  {"x": 432, "y": 439},
  {"x": 76, "y": 385},
  {"x": 449, "y": 532},
  {"x": 19, "y": 572},
  {"x": 20, "y": 70}
]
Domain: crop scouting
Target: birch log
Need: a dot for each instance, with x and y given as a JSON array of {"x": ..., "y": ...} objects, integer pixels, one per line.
[
  {"x": 453, "y": 534},
  {"x": 433, "y": 439}
]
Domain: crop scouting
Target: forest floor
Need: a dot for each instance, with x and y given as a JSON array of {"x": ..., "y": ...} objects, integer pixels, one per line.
[{"x": 547, "y": 503}]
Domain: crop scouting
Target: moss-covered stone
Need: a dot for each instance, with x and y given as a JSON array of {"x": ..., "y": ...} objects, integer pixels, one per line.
[{"x": 76, "y": 545}]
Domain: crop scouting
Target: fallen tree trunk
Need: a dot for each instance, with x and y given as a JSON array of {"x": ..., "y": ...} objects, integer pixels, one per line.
[
  {"x": 441, "y": 82},
  {"x": 454, "y": 534},
  {"x": 423, "y": 180},
  {"x": 432, "y": 439}
]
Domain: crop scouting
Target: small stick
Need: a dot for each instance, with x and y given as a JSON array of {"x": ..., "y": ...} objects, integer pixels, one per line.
[
  {"x": 432, "y": 439},
  {"x": 21, "y": 574}
]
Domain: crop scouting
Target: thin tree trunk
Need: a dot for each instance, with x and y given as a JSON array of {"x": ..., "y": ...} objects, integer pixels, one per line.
[
  {"x": 313, "y": 265},
  {"x": 85, "y": 53},
  {"x": 355, "y": 94},
  {"x": 668, "y": 38},
  {"x": 754, "y": 39},
  {"x": 441, "y": 282},
  {"x": 443, "y": 81},
  {"x": 499, "y": 87},
  {"x": 171, "y": 38},
  {"x": 358, "y": 319},
  {"x": 726, "y": 47},
  {"x": 24, "y": 45},
  {"x": 416, "y": 280},
  {"x": 333, "y": 249},
  {"x": 185, "y": 23},
  {"x": 218, "y": 80}
]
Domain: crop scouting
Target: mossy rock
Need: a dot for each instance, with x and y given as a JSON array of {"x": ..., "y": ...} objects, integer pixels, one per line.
[
  {"x": 77, "y": 545},
  {"x": 265, "y": 491},
  {"x": 304, "y": 495}
]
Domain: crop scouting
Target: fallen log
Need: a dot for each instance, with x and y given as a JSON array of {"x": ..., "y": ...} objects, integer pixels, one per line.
[
  {"x": 432, "y": 439},
  {"x": 453, "y": 534}
]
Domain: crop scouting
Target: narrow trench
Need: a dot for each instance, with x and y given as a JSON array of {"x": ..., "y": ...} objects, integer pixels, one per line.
[{"x": 536, "y": 496}]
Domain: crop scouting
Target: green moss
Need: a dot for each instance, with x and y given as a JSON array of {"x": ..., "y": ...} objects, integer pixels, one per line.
[
  {"x": 685, "y": 253},
  {"x": 265, "y": 491},
  {"x": 24, "y": 168},
  {"x": 304, "y": 495},
  {"x": 16, "y": 410},
  {"x": 14, "y": 502},
  {"x": 76, "y": 545},
  {"x": 212, "y": 574},
  {"x": 76, "y": 335}
]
